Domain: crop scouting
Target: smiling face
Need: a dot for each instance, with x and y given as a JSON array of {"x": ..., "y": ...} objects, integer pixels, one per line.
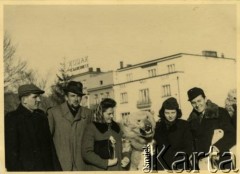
[
  {"x": 199, "y": 103},
  {"x": 73, "y": 99},
  {"x": 108, "y": 115},
  {"x": 170, "y": 114}
]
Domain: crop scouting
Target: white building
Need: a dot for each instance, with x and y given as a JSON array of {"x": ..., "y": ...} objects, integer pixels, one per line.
[
  {"x": 100, "y": 86},
  {"x": 146, "y": 85}
]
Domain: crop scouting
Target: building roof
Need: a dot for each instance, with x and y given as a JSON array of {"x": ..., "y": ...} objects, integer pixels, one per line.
[{"x": 174, "y": 56}]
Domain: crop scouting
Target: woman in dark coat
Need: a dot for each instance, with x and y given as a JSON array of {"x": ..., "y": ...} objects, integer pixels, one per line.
[
  {"x": 102, "y": 141},
  {"x": 174, "y": 135}
]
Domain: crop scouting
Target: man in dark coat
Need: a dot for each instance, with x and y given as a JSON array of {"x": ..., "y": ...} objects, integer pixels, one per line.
[
  {"x": 28, "y": 142},
  {"x": 205, "y": 118}
]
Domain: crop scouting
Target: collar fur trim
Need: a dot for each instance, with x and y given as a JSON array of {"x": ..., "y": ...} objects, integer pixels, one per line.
[
  {"x": 103, "y": 127},
  {"x": 211, "y": 112}
]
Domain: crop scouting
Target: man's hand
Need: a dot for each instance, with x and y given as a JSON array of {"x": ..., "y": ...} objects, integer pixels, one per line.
[
  {"x": 125, "y": 161},
  {"x": 112, "y": 162},
  {"x": 214, "y": 155}
]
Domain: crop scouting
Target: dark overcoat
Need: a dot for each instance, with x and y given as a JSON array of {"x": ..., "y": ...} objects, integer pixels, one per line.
[
  {"x": 175, "y": 138},
  {"x": 97, "y": 132},
  {"x": 214, "y": 118},
  {"x": 28, "y": 142}
]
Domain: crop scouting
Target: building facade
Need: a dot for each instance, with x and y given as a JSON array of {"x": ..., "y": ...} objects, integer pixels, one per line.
[
  {"x": 146, "y": 85},
  {"x": 100, "y": 86}
]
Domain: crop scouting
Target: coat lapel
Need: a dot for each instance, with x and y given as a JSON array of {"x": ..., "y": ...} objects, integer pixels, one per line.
[
  {"x": 80, "y": 115},
  {"x": 66, "y": 113}
]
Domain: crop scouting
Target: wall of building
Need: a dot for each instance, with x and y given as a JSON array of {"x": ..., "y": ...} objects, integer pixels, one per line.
[
  {"x": 215, "y": 75},
  {"x": 99, "y": 87}
]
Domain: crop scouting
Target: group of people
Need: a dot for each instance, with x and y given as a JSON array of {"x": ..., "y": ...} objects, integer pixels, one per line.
[
  {"x": 70, "y": 137},
  {"x": 195, "y": 136}
]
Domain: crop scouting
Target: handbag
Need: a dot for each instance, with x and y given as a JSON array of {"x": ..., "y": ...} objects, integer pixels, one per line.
[{"x": 104, "y": 149}]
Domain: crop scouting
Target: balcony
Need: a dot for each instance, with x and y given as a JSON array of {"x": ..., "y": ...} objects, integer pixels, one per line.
[{"x": 144, "y": 104}]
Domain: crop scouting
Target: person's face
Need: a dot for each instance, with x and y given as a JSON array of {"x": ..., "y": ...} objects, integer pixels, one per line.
[
  {"x": 108, "y": 115},
  {"x": 199, "y": 103},
  {"x": 170, "y": 114},
  {"x": 31, "y": 101},
  {"x": 73, "y": 99}
]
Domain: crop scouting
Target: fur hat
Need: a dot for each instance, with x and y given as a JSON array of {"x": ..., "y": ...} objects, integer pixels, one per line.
[
  {"x": 194, "y": 92},
  {"x": 170, "y": 103}
]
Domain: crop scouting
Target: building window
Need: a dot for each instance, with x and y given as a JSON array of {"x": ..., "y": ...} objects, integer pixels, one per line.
[
  {"x": 123, "y": 97},
  {"x": 129, "y": 77},
  {"x": 125, "y": 114},
  {"x": 166, "y": 90},
  {"x": 151, "y": 72},
  {"x": 101, "y": 82},
  {"x": 144, "y": 96},
  {"x": 171, "y": 68}
]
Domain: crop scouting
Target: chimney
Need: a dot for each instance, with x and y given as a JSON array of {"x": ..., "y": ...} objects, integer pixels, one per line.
[
  {"x": 209, "y": 53},
  {"x": 98, "y": 70},
  {"x": 90, "y": 69},
  {"x": 121, "y": 64}
]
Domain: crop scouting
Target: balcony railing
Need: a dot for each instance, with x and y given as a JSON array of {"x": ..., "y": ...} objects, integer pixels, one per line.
[{"x": 144, "y": 104}]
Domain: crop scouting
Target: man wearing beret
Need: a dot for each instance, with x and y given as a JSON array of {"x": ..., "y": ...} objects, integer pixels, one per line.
[
  {"x": 67, "y": 123},
  {"x": 28, "y": 141},
  {"x": 210, "y": 125}
]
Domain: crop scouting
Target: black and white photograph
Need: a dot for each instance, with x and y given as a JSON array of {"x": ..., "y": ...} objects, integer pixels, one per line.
[{"x": 119, "y": 86}]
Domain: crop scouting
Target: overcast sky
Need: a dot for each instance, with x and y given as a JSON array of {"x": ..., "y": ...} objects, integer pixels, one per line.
[{"x": 108, "y": 34}]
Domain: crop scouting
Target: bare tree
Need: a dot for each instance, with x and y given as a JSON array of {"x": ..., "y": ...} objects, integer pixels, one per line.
[
  {"x": 15, "y": 69},
  {"x": 15, "y": 73}
]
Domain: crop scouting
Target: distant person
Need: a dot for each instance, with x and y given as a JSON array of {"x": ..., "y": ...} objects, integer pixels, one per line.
[
  {"x": 205, "y": 118},
  {"x": 28, "y": 141},
  {"x": 231, "y": 106},
  {"x": 67, "y": 123},
  {"x": 173, "y": 134},
  {"x": 102, "y": 141}
]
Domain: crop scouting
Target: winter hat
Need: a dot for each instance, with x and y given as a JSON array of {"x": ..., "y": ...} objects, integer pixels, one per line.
[
  {"x": 194, "y": 92},
  {"x": 170, "y": 103},
  {"x": 27, "y": 89}
]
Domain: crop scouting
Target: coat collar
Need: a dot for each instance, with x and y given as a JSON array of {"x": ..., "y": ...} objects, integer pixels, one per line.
[
  {"x": 211, "y": 112},
  {"x": 166, "y": 126},
  {"x": 103, "y": 127},
  {"x": 23, "y": 110},
  {"x": 68, "y": 115}
]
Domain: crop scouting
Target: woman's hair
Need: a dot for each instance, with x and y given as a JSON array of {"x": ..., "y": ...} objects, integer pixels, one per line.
[
  {"x": 102, "y": 107},
  {"x": 162, "y": 115}
]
